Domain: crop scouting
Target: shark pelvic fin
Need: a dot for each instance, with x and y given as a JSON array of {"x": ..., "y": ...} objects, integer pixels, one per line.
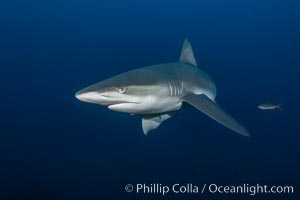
[
  {"x": 150, "y": 122},
  {"x": 187, "y": 54},
  {"x": 210, "y": 108}
]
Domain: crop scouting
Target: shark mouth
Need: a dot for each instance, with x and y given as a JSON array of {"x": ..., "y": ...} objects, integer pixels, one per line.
[
  {"x": 129, "y": 107},
  {"x": 118, "y": 103},
  {"x": 111, "y": 101}
]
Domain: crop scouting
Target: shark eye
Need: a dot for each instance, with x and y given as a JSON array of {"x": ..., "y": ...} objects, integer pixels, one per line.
[{"x": 121, "y": 90}]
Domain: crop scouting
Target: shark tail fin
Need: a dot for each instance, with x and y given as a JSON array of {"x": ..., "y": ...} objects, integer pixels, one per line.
[{"x": 187, "y": 54}]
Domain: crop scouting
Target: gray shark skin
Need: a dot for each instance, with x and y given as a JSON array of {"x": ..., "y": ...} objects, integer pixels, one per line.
[{"x": 158, "y": 91}]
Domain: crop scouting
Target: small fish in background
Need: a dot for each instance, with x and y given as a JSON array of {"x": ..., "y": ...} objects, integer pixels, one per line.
[{"x": 269, "y": 106}]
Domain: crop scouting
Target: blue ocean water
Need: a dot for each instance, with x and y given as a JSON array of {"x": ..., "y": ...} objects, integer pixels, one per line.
[{"x": 54, "y": 147}]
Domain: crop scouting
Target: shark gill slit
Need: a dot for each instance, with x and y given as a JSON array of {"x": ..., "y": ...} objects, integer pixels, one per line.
[
  {"x": 181, "y": 87},
  {"x": 175, "y": 89},
  {"x": 170, "y": 88}
]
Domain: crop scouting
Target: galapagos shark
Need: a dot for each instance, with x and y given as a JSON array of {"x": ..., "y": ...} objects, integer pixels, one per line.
[{"x": 158, "y": 91}]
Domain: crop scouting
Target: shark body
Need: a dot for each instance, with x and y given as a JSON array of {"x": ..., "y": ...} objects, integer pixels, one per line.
[{"x": 158, "y": 91}]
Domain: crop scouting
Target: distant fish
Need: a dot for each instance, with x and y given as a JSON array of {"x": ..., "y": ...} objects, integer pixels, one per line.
[{"x": 269, "y": 106}]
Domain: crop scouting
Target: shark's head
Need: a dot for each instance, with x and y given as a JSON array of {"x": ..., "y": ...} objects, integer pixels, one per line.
[
  {"x": 109, "y": 95},
  {"x": 131, "y": 92}
]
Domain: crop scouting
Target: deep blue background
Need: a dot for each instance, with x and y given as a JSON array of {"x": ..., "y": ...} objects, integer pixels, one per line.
[{"x": 54, "y": 147}]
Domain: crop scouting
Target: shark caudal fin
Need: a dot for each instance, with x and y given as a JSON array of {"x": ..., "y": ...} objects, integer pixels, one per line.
[
  {"x": 210, "y": 108},
  {"x": 187, "y": 54}
]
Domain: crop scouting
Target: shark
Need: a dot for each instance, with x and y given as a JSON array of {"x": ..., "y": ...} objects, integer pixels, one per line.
[{"x": 158, "y": 91}]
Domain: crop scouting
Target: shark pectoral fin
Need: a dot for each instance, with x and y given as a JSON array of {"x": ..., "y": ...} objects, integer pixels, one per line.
[
  {"x": 210, "y": 108},
  {"x": 150, "y": 122}
]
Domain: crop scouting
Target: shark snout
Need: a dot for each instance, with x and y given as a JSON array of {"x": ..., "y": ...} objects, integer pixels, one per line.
[
  {"x": 97, "y": 98},
  {"x": 90, "y": 97}
]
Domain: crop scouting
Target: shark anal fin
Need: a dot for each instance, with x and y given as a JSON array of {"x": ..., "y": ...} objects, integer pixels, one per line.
[
  {"x": 210, "y": 108},
  {"x": 152, "y": 121},
  {"x": 187, "y": 54}
]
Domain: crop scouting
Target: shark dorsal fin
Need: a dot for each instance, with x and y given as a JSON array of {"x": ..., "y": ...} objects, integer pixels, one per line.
[{"x": 187, "y": 54}]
